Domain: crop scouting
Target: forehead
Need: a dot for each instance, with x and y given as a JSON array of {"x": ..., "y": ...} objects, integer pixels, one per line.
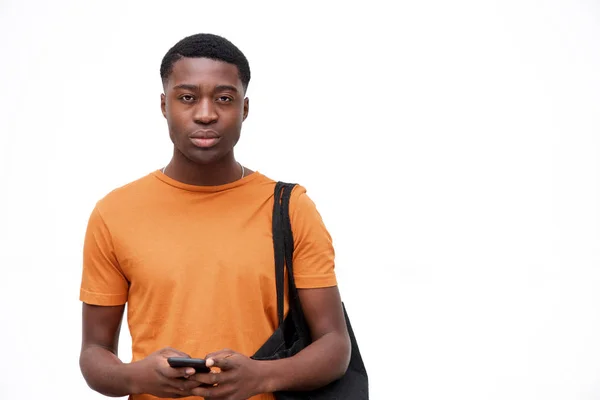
[{"x": 203, "y": 72}]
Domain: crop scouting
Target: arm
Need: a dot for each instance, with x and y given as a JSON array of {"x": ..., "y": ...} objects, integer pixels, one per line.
[
  {"x": 105, "y": 285},
  {"x": 327, "y": 358},
  {"x": 105, "y": 373},
  {"x": 102, "y": 278},
  {"x": 324, "y": 360},
  {"x": 102, "y": 369}
]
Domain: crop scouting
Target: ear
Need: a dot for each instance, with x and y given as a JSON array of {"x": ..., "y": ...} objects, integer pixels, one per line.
[
  {"x": 163, "y": 105},
  {"x": 246, "y": 108}
]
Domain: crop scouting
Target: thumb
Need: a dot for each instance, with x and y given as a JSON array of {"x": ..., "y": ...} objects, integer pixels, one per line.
[{"x": 222, "y": 362}]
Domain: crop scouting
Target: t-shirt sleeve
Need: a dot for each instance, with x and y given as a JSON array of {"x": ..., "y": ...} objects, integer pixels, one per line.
[
  {"x": 102, "y": 282},
  {"x": 313, "y": 248}
]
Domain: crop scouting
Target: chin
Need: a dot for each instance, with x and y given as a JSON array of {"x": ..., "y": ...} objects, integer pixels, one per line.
[{"x": 208, "y": 157}]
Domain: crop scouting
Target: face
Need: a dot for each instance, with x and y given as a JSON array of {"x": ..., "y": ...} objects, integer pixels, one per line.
[{"x": 204, "y": 106}]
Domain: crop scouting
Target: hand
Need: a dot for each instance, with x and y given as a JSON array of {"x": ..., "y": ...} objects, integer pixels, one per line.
[
  {"x": 153, "y": 375},
  {"x": 239, "y": 377}
]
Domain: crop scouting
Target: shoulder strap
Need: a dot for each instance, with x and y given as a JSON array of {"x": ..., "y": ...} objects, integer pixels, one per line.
[
  {"x": 283, "y": 244},
  {"x": 279, "y": 248}
]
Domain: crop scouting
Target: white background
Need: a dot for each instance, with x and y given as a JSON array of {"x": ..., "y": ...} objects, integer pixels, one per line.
[{"x": 451, "y": 147}]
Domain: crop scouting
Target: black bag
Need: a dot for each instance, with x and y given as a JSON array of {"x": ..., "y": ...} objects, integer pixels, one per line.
[{"x": 293, "y": 333}]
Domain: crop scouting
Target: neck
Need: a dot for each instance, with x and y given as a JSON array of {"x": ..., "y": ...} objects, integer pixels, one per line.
[{"x": 224, "y": 171}]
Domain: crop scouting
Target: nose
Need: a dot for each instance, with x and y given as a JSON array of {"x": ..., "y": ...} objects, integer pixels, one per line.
[{"x": 205, "y": 112}]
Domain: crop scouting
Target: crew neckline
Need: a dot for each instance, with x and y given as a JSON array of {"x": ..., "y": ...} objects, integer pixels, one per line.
[{"x": 198, "y": 188}]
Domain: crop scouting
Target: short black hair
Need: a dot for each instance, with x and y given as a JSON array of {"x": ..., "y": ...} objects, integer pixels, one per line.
[{"x": 206, "y": 45}]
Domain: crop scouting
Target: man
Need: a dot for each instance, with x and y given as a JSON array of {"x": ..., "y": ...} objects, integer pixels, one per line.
[{"x": 189, "y": 249}]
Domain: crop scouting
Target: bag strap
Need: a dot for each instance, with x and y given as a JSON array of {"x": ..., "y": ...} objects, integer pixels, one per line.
[
  {"x": 278, "y": 248},
  {"x": 283, "y": 242}
]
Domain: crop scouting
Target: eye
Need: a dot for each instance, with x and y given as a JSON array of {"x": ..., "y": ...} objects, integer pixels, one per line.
[
  {"x": 224, "y": 99},
  {"x": 187, "y": 98}
]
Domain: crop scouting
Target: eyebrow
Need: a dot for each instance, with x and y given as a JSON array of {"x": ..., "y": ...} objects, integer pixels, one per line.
[{"x": 219, "y": 88}]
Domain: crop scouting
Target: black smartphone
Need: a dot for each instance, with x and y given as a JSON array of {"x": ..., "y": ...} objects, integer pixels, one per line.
[{"x": 197, "y": 363}]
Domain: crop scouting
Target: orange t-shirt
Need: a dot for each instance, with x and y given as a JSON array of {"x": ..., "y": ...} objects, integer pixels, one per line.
[{"x": 195, "y": 264}]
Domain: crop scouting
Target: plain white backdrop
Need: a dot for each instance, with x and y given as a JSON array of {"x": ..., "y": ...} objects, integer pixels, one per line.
[{"x": 451, "y": 147}]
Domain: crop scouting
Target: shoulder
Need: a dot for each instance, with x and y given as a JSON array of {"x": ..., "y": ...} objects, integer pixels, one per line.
[
  {"x": 303, "y": 211},
  {"x": 127, "y": 195},
  {"x": 300, "y": 199}
]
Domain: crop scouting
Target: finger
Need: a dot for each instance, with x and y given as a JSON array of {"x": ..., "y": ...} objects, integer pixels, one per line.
[
  {"x": 182, "y": 386},
  {"x": 213, "y": 392},
  {"x": 211, "y": 378},
  {"x": 224, "y": 363},
  {"x": 182, "y": 372},
  {"x": 223, "y": 352}
]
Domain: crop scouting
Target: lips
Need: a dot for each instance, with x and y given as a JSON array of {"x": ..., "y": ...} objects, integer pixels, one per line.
[
  {"x": 205, "y": 139},
  {"x": 205, "y": 142}
]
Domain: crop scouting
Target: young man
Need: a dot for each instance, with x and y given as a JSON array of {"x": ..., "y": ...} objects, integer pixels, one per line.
[{"x": 189, "y": 249}]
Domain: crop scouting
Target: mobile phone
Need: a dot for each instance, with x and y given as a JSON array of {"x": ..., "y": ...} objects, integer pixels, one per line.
[{"x": 197, "y": 363}]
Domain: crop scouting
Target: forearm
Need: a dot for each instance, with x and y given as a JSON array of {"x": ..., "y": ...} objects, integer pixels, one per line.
[
  {"x": 320, "y": 363},
  {"x": 104, "y": 372}
]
